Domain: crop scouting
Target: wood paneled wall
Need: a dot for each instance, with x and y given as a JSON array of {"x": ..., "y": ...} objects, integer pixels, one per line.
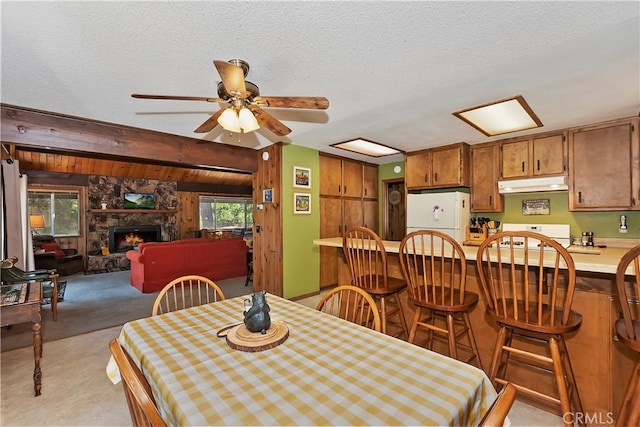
[
  {"x": 267, "y": 242},
  {"x": 188, "y": 215}
]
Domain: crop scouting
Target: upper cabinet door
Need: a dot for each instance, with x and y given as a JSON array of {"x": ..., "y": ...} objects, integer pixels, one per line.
[
  {"x": 417, "y": 169},
  {"x": 351, "y": 179},
  {"x": 602, "y": 172},
  {"x": 330, "y": 176},
  {"x": 484, "y": 179},
  {"x": 370, "y": 189},
  {"x": 549, "y": 155},
  {"x": 515, "y": 159},
  {"x": 450, "y": 166}
]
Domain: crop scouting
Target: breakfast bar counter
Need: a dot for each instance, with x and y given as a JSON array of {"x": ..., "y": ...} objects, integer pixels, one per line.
[{"x": 601, "y": 363}]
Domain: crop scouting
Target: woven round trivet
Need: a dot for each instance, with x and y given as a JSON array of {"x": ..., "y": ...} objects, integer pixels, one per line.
[{"x": 240, "y": 338}]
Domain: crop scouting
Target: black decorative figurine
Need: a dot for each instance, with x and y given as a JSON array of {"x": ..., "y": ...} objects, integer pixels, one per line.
[{"x": 257, "y": 318}]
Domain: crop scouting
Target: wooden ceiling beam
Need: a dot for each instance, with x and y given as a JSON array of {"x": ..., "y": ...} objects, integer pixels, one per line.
[{"x": 29, "y": 127}]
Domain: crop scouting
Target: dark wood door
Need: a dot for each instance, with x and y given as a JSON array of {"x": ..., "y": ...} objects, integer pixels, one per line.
[{"x": 395, "y": 211}]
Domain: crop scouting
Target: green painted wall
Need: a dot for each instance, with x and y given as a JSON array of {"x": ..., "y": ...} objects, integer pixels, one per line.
[
  {"x": 603, "y": 224},
  {"x": 386, "y": 172},
  {"x": 300, "y": 257}
]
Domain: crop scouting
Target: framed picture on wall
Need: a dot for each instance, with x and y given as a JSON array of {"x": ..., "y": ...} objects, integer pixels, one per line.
[
  {"x": 301, "y": 203},
  {"x": 301, "y": 177},
  {"x": 267, "y": 195}
]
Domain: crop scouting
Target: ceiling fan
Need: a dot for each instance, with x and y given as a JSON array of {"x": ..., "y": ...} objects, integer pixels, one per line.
[{"x": 245, "y": 113}]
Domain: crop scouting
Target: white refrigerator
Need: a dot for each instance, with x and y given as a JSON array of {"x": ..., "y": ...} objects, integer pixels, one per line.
[{"x": 445, "y": 212}]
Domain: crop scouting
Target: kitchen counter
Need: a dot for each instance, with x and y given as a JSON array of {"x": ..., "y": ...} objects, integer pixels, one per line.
[{"x": 602, "y": 260}]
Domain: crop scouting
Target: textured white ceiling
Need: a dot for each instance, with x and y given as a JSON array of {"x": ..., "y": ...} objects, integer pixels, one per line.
[{"x": 392, "y": 71}]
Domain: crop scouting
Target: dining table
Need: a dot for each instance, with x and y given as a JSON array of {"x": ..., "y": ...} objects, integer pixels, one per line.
[{"x": 328, "y": 371}]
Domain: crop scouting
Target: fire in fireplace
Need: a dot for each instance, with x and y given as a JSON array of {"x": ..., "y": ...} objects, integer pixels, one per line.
[{"x": 124, "y": 238}]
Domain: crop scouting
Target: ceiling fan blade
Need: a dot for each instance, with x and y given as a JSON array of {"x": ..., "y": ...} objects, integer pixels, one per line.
[
  {"x": 268, "y": 121},
  {"x": 311, "y": 102},
  {"x": 178, "y": 98},
  {"x": 210, "y": 123},
  {"x": 232, "y": 78}
]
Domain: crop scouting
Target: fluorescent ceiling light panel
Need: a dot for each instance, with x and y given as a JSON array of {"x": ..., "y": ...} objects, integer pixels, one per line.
[
  {"x": 366, "y": 147},
  {"x": 499, "y": 117}
]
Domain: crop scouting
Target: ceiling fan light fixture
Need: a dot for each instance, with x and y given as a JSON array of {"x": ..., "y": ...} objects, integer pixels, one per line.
[
  {"x": 247, "y": 120},
  {"x": 229, "y": 120}
]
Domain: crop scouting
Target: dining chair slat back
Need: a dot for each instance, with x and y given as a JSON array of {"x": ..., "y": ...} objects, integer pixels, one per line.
[
  {"x": 353, "y": 304},
  {"x": 184, "y": 292},
  {"x": 137, "y": 391}
]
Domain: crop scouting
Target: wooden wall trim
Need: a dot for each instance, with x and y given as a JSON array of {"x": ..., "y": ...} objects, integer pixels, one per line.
[{"x": 20, "y": 125}]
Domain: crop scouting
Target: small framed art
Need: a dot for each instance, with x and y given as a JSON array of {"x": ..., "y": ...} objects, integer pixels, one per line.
[
  {"x": 301, "y": 177},
  {"x": 267, "y": 195},
  {"x": 301, "y": 203}
]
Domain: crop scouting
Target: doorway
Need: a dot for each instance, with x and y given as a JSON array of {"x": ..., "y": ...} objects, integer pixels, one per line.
[{"x": 394, "y": 209}]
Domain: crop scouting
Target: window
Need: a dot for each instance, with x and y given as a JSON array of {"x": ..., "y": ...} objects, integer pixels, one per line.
[
  {"x": 225, "y": 212},
  {"x": 60, "y": 209}
]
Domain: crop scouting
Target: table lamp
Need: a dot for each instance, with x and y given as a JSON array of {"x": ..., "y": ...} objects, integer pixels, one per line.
[{"x": 36, "y": 221}]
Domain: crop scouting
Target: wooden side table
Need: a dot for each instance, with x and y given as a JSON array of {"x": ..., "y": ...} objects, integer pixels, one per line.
[{"x": 28, "y": 311}]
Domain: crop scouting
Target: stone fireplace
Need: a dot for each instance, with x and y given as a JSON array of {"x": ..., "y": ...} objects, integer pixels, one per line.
[{"x": 124, "y": 238}]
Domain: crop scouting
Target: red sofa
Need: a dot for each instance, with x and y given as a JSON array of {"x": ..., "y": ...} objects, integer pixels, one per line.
[{"x": 155, "y": 264}]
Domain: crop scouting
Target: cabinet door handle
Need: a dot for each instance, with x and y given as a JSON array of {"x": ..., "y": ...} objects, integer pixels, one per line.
[
  {"x": 426, "y": 178},
  {"x": 339, "y": 229},
  {"x": 579, "y": 196},
  {"x": 538, "y": 164},
  {"x": 490, "y": 200},
  {"x": 435, "y": 177},
  {"x": 365, "y": 191},
  {"x": 522, "y": 166},
  {"x": 345, "y": 189},
  {"x": 338, "y": 189}
]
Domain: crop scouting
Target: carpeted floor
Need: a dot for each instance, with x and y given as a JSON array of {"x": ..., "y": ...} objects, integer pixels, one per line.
[{"x": 94, "y": 302}]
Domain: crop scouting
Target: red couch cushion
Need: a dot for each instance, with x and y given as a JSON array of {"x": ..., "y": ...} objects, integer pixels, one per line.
[{"x": 52, "y": 247}]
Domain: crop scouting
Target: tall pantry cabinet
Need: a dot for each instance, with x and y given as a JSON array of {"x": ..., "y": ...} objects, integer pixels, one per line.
[{"x": 348, "y": 198}]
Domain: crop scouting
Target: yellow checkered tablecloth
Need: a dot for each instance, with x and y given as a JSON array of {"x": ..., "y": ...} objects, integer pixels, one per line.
[{"x": 328, "y": 372}]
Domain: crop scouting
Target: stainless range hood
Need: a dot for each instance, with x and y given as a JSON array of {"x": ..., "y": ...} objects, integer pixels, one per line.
[{"x": 530, "y": 185}]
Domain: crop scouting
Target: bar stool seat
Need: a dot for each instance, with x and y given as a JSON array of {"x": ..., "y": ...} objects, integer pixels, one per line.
[
  {"x": 434, "y": 267},
  {"x": 627, "y": 329},
  {"x": 367, "y": 259}
]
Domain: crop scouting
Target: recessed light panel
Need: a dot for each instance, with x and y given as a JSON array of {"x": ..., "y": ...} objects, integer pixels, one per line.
[
  {"x": 499, "y": 117},
  {"x": 366, "y": 147}
]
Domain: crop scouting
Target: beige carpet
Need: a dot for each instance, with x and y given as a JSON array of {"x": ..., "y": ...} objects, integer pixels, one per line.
[
  {"x": 96, "y": 302},
  {"x": 77, "y": 392}
]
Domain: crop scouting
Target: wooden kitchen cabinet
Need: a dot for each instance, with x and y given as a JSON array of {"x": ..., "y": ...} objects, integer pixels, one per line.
[
  {"x": 603, "y": 166},
  {"x": 485, "y": 173},
  {"x": 441, "y": 167},
  {"x": 348, "y": 198},
  {"x": 537, "y": 155},
  {"x": 370, "y": 181},
  {"x": 330, "y": 176}
]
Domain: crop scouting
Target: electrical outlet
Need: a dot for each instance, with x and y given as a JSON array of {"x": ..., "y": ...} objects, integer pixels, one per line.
[{"x": 623, "y": 224}]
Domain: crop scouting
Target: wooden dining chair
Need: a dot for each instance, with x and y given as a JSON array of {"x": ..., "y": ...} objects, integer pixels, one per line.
[
  {"x": 353, "y": 304},
  {"x": 367, "y": 260},
  {"x": 435, "y": 269},
  {"x": 627, "y": 329},
  {"x": 137, "y": 390},
  {"x": 500, "y": 407},
  {"x": 528, "y": 293},
  {"x": 185, "y": 292}
]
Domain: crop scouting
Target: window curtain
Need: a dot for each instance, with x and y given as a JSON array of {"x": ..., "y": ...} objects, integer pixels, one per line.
[{"x": 14, "y": 219}]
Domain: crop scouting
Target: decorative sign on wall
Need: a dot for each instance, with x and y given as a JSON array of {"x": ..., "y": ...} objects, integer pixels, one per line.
[
  {"x": 301, "y": 177},
  {"x": 301, "y": 203},
  {"x": 267, "y": 195},
  {"x": 535, "y": 207}
]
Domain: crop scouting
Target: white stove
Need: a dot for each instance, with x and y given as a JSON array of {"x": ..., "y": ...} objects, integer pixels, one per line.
[{"x": 561, "y": 233}]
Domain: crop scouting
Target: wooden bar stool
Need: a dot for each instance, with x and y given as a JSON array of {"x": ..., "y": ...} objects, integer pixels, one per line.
[
  {"x": 523, "y": 296},
  {"x": 367, "y": 260},
  {"x": 627, "y": 330},
  {"x": 435, "y": 269}
]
